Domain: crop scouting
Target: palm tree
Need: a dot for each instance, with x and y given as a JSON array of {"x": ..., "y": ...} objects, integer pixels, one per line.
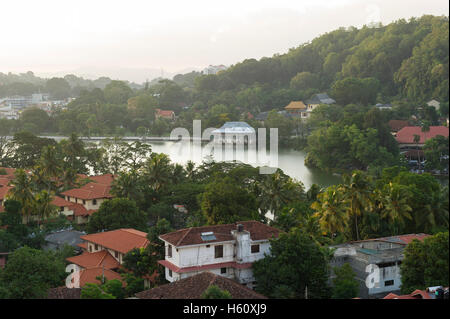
[
  {"x": 330, "y": 211},
  {"x": 158, "y": 171},
  {"x": 276, "y": 191},
  {"x": 357, "y": 194},
  {"x": 22, "y": 192},
  {"x": 190, "y": 170},
  {"x": 43, "y": 205},
  {"x": 394, "y": 200},
  {"x": 50, "y": 165}
]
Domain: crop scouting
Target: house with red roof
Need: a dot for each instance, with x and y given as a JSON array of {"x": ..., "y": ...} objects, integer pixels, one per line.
[
  {"x": 405, "y": 137},
  {"x": 225, "y": 250},
  {"x": 430, "y": 293},
  {"x": 165, "y": 114},
  {"x": 103, "y": 253},
  {"x": 376, "y": 259},
  {"x": 87, "y": 199}
]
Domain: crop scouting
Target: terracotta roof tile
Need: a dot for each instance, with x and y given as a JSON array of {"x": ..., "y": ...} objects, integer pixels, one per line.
[
  {"x": 97, "y": 259},
  {"x": 406, "y": 134},
  {"x": 397, "y": 125},
  {"x": 60, "y": 202},
  {"x": 90, "y": 191},
  {"x": 64, "y": 293},
  {"x": 192, "y": 236},
  {"x": 122, "y": 240},
  {"x": 90, "y": 275},
  {"x": 194, "y": 286}
]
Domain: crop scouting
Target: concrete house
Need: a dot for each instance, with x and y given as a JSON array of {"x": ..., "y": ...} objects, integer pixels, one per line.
[
  {"x": 225, "y": 250},
  {"x": 386, "y": 253}
]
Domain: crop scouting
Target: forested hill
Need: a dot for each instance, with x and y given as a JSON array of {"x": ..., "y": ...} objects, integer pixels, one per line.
[{"x": 405, "y": 58}]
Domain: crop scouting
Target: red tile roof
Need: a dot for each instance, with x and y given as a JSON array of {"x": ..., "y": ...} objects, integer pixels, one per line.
[
  {"x": 60, "y": 202},
  {"x": 105, "y": 179},
  {"x": 3, "y": 191},
  {"x": 122, "y": 240},
  {"x": 397, "y": 125},
  {"x": 192, "y": 236},
  {"x": 78, "y": 209},
  {"x": 406, "y": 134},
  {"x": 90, "y": 275},
  {"x": 417, "y": 294},
  {"x": 97, "y": 259},
  {"x": 194, "y": 286},
  {"x": 64, "y": 293},
  {"x": 165, "y": 113},
  {"x": 179, "y": 270},
  {"x": 90, "y": 191}
]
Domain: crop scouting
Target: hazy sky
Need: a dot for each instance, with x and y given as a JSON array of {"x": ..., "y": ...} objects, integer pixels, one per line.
[{"x": 118, "y": 37}]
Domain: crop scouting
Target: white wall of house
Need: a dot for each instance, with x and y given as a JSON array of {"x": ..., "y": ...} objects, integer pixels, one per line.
[
  {"x": 199, "y": 255},
  {"x": 390, "y": 280}
]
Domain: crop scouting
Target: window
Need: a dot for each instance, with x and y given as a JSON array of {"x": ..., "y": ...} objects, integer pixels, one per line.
[
  {"x": 96, "y": 246},
  {"x": 116, "y": 254},
  {"x": 255, "y": 249},
  {"x": 223, "y": 270},
  {"x": 170, "y": 273},
  {"x": 388, "y": 283},
  {"x": 90, "y": 248},
  {"x": 94, "y": 202},
  {"x": 218, "y": 251},
  {"x": 169, "y": 251},
  {"x": 61, "y": 209},
  {"x": 84, "y": 202}
]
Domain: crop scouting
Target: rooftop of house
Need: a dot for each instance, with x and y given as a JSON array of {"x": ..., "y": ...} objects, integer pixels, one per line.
[
  {"x": 406, "y": 134},
  {"x": 122, "y": 240},
  {"x": 105, "y": 179},
  {"x": 193, "y": 235},
  {"x": 378, "y": 249},
  {"x": 295, "y": 105},
  {"x": 321, "y": 98},
  {"x": 429, "y": 293},
  {"x": 92, "y": 260},
  {"x": 235, "y": 127},
  {"x": 193, "y": 287},
  {"x": 61, "y": 202},
  {"x": 165, "y": 113},
  {"x": 90, "y": 275},
  {"x": 64, "y": 293},
  {"x": 90, "y": 191},
  {"x": 3, "y": 191},
  {"x": 397, "y": 125}
]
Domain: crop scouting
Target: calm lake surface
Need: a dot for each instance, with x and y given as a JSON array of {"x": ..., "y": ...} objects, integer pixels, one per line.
[{"x": 290, "y": 161}]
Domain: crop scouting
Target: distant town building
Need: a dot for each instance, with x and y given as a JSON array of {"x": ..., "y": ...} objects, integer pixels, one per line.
[
  {"x": 435, "y": 104},
  {"x": 234, "y": 132},
  {"x": 381, "y": 106},
  {"x": 165, "y": 114},
  {"x": 225, "y": 250},
  {"x": 386, "y": 253},
  {"x": 214, "y": 69}
]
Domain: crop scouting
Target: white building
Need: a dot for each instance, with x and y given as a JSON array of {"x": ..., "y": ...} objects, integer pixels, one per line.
[
  {"x": 214, "y": 69},
  {"x": 376, "y": 263},
  {"x": 234, "y": 132},
  {"x": 226, "y": 250}
]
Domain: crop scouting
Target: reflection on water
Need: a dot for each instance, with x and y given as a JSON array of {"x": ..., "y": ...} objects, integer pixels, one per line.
[{"x": 290, "y": 161}]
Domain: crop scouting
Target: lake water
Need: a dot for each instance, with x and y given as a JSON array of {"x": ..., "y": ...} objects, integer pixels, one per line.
[{"x": 290, "y": 161}]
